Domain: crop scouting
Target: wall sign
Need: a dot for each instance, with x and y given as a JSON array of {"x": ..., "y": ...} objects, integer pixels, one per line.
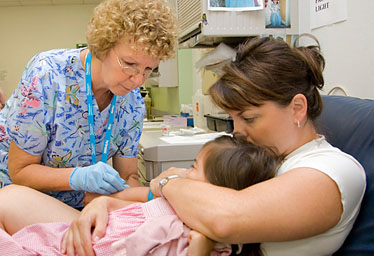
[{"x": 327, "y": 12}]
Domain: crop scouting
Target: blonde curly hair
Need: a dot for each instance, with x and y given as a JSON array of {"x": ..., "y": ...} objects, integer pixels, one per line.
[{"x": 149, "y": 23}]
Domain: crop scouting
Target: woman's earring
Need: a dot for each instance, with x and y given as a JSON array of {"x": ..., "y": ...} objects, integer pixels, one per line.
[{"x": 298, "y": 124}]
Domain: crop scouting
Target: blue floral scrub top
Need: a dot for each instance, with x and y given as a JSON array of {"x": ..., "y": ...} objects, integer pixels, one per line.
[{"x": 47, "y": 115}]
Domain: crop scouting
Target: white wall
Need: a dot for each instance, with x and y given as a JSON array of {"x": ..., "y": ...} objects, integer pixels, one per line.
[
  {"x": 348, "y": 48},
  {"x": 27, "y": 30}
]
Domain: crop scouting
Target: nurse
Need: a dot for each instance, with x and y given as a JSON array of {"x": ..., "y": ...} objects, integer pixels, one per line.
[{"x": 74, "y": 109}]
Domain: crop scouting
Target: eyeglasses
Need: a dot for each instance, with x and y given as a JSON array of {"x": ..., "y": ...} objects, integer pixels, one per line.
[{"x": 132, "y": 71}]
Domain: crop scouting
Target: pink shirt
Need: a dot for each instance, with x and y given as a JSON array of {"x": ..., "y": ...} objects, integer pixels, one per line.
[{"x": 138, "y": 229}]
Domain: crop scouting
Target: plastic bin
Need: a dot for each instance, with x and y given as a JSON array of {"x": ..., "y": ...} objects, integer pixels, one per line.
[{"x": 220, "y": 123}]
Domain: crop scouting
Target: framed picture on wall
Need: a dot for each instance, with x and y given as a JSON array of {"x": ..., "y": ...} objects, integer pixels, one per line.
[
  {"x": 235, "y": 5},
  {"x": 277, "y": 14}
]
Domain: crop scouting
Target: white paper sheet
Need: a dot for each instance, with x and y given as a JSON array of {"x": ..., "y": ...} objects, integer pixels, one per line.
[{"x": 194, "y": 139}]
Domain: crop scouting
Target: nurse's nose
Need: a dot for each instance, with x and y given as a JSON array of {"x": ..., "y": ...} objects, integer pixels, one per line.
[{"x": 138, "y": 79}]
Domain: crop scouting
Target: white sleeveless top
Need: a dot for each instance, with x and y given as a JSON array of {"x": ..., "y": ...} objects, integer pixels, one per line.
[{"x": 350, "y": 178}]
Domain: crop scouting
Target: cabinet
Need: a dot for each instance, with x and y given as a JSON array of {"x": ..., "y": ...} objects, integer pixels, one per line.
[
  {"x": 168, "y": 69},
  {"x": 167, "y": 75},
  {"x": 200, "y": 25}
]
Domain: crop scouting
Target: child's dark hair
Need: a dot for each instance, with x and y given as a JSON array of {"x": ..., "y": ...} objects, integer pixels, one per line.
[{"x": 236, "y": 163}]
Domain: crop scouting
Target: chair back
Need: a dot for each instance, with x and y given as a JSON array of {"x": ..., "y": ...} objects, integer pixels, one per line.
[{"x": 348, "y": 124}]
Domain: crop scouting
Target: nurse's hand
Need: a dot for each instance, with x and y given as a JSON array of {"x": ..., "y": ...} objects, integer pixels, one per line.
[
  {"x": 154, "y": 184},
  {"x": 99, "y": 178},
  {"x": 78, "y": 239},
  {"x": 2, "y": 98}
]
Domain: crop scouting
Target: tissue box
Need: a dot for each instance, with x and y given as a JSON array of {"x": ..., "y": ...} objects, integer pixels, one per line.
[{"x": 175, "y": 121}]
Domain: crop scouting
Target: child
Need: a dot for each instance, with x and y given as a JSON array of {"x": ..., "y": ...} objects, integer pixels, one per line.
[{"x": 153, "y": 227}]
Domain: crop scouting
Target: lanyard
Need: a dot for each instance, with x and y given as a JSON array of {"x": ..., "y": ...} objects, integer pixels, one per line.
[{"x": 108, "y": 133}]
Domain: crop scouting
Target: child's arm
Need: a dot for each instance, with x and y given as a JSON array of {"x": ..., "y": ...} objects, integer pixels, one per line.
[
  {"x": 199, "y": 245},
  {"x": 134, "y": 194}
]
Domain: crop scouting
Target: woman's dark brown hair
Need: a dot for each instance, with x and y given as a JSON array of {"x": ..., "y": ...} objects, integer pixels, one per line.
[
  {"x": 268, "y": 69},
  {"x": 236, "y": 163}
]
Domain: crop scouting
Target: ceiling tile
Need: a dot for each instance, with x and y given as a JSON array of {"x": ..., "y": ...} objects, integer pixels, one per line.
[
  {"x": 35, "y": 2},
  {"x": 9, "y": 3},
  {"x": 4, "y": 3},
  {"x": 67, "y": 2},
  {"x": 92, "y": 1}
]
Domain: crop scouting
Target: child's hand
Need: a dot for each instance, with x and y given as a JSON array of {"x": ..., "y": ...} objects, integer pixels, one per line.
[
  {"x": 89, "y": 227},
  {"x": 88, "y": 197},
  {"x": 199, "y": 245}
]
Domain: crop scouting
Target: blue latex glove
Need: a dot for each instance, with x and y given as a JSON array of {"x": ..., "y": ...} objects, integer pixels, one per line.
[{"x": 99, "y": 178}]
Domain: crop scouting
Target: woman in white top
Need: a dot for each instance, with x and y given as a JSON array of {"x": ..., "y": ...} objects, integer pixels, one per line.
[{"x": 271, "y": 92}]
